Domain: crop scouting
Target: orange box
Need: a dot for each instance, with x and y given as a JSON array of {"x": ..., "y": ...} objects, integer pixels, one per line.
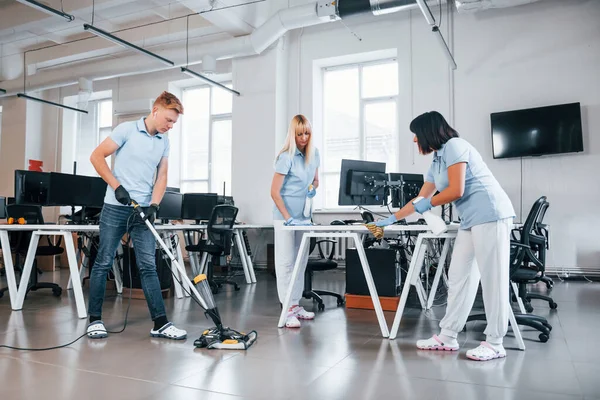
[{"x": 365, "y": 302}]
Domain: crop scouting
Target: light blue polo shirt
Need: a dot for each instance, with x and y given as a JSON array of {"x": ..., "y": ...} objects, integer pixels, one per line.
[
  {"x": 136, "y": 160},
  {"x": 298, "y": 177},
  {"x": 484, "y": 200}
]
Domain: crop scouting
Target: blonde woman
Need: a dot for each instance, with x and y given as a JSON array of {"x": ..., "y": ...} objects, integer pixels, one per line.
[{"x": 296, "y": 169}]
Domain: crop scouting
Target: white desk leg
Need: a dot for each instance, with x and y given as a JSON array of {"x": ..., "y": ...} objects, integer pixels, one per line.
[
  {"x": 84, "y": 264},
  {"x": 288, "y": 296},
  {"x": 118, "y": 277},
  {"x": 242, "y": 253},
  {"x": 372, "y": 289},
  {"x": 186, "y": 282},
  {"x": 22, "y": 291},
  {"x": 415, "y": 266},
  {"x": 9, "y": 268},
  {"x": 248, "y": 258},
  {"x": 515, "y": 289},
  {"x": 77, "y": 291},
  {"x": 438, "y": 273},
  {"x": 515, "y": 328},
  {"x": 176, "y": 273}
]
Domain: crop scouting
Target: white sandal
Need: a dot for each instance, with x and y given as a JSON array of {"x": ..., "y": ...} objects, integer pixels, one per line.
[
  {"x": 301, "y": 313},
  {"x": 435, "y": 343},
  {"x": 96, "y": 330},
  {"x": 169, "y": 331},
  {"x": 292, "y": 321},
  {"x": 486, "y": 352}
]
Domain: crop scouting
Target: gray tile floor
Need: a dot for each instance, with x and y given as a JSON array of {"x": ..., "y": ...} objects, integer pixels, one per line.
[{"x": 339, "y": 355}]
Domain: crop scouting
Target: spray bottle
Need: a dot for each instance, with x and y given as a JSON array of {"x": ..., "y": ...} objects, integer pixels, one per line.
[
  {"x": 434, "y": 222},
  {"x": 308, "y": 204}
]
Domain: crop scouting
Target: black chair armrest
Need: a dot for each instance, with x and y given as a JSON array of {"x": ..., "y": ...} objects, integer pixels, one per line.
[{"x": 513, "y": 231}]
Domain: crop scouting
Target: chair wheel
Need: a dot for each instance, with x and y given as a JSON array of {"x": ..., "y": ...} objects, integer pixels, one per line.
[
  {"x": 543, "y": 337},
  {"x": 528, "y": 307},
  {"x": 553, "y": 305},
  {"x": 321, "y": 307},
  {"x": 340, "y": 302},
  {"x": 549, "y": 285},
  {"x": 236, "y": 288},
  {"x": 57, "y": 292}
]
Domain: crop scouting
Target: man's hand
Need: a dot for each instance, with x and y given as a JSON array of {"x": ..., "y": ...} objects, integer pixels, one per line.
[
  {"x": 122, "y": 195},
  {"x": 150, "y": 213}
]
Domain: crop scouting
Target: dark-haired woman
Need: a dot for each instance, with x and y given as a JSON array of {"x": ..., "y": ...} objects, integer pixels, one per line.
[{"x": 482, "y": 246}]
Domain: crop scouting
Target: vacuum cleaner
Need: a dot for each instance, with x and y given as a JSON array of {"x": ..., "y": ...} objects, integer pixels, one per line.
[{"x": 219, "y": 336}]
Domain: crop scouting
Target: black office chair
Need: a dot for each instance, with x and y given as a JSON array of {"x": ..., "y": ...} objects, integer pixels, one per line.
[
  {"x": 535, "y": 235},
  {"x": 321, "y": 264},
  {"x": 20, "y": 244},
  {"x": 520, "y": 251},
  {"x": 218, "y": 243}
]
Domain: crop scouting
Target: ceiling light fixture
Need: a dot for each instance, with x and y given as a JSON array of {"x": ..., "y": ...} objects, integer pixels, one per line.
[
  {"x": 207, "y": 80},
  {"x": 46, "y": 9},
  {"x": 121, "y": 42},
  {"x": 23, "y": 95}
]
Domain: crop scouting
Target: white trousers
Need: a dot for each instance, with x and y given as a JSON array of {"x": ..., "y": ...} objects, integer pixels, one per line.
[
  {"x": 287, "y": 245},
  {"x": 481, "y": 253}
]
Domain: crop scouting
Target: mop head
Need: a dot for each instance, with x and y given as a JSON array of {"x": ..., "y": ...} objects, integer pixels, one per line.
[
  {"x": 224, "y": 338},
  {"x": 219, "y": 337},
  {"x": 375, "y": 230}
]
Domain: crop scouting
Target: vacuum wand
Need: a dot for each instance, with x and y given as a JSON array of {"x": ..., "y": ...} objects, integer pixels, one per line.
[{"x": 174, "y": 261}]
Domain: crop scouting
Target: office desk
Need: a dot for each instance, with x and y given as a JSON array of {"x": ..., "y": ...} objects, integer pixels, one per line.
[
  {"x": 17, "y": 295},
  {"x": 356, "y": 232}
]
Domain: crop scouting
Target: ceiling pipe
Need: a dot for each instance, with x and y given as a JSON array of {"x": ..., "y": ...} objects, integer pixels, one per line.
[{"x": 320, "y": 12}]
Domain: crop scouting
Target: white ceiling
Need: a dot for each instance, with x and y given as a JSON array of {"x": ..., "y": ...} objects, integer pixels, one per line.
[{"x": 146, "y": 23}]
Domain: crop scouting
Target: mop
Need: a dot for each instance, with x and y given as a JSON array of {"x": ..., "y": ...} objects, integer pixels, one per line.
[{"x": 218, "y": 337}]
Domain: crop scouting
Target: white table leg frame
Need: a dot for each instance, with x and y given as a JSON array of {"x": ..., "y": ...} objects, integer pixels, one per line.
[
  {"x": 72, "y": 258},
  {"x": 367, "y": 271},
  {"x": 9, "y": 268},
  {"x": 438, "y": 273},
  {"x": 416, "y": 263}
]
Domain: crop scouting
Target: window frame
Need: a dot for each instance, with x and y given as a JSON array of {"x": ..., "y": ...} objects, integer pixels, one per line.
[
  {"x": 211, "y": 120},
  {"x": 363, "y": 103}
]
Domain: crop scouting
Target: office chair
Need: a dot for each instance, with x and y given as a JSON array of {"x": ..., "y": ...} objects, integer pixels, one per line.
[
  {"x": 218, "y": 243},
  {"x": 321, "y": 264},
  {"x": 520, "y": 250},
  {"x": 20, "y": 243},
  {"x": 533, "y": 234}
]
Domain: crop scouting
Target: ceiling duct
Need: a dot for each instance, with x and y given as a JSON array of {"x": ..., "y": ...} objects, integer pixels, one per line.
[{"x": 478, "y": 5}]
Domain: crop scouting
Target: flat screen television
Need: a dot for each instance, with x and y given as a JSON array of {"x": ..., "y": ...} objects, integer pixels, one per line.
[{"x": 537, "y": 131}]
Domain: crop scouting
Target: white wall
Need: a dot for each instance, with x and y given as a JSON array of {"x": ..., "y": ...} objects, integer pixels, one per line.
[{"x": 540, "y": 54}]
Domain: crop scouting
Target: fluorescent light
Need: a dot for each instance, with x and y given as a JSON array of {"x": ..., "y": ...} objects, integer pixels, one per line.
[
  {"x": 210, "y": 81},
  {"x": 23, "y": 95},
  {"x": 426, "y": 12},
  {"x": 121, "y": 42},
  {"x": 46, "y": 9},
  {"x": 442, "y": 42}
]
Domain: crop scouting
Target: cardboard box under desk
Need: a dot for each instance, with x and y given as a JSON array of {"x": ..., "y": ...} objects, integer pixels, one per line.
[{"x": 365, "y": 302}]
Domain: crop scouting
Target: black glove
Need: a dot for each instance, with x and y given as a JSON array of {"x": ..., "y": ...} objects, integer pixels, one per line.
[
  {"x": 150, "y": 213},
  {"x": 122, "y": 195}
]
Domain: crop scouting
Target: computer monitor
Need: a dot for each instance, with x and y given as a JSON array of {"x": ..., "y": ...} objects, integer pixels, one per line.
[
  {"x": 404, "y": 187},
  {"x": 198, "y": 206},
  {"x": 2, "y": 207},
  {"x": 173, "y": 189},
  {"x": 31, "y": 187},
  {"x": 362, "y": 183},
  {"x": 76, "y": 190},
  {"x": 171, "y": 206}
]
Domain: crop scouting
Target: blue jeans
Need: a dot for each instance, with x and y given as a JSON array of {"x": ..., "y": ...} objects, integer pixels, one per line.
[{"x": 115, "y": 221}]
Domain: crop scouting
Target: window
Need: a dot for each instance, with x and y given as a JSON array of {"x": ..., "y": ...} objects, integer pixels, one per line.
[
  {"x": 206, "y": 141},
  {"x": 83, "y": 134},
  {"x": 359, "y": 119}
]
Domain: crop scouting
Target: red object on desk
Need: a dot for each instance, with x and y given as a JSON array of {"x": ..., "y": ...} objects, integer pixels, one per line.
[{"x": 36, "y": 165}]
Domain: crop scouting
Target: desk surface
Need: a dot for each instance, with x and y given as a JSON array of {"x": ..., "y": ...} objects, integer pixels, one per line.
[
  {"x": 363, "y": 228},
  {"x": 95, "y": 228}
]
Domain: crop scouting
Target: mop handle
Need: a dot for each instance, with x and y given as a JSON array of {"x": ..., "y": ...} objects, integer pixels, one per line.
[{"x": 137, "y": 208}]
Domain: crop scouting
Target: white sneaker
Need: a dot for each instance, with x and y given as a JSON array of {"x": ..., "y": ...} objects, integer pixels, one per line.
[
  {"x": 301, "y": 313},
  {"x": 169, "y": 331},
  {"x": 291, "y": 321},
  {"x": 435, "y": 343},
  {"x": 486, "y": 352}
]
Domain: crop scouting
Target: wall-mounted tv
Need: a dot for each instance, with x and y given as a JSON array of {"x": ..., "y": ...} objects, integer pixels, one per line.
[{"x": 537, "y": 131}]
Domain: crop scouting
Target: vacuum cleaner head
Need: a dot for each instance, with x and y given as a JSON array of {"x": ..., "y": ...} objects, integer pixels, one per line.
[{"x": 226, "y": 339}]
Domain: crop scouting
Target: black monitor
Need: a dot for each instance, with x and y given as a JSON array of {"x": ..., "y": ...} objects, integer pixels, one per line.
[
  {"x": 2, "y": 207},
  {"x": 173, "y": 189},
  {"x": 362, "y": 183},
  {"x": 171, "y": 206},
  {"x": 76, "y": 190},
  {"x": 31, "y": 187},
  {"x": 537, "y": 131},
  {"x": 404, "y": 187},
  {"x": 198, "y": 206}
]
